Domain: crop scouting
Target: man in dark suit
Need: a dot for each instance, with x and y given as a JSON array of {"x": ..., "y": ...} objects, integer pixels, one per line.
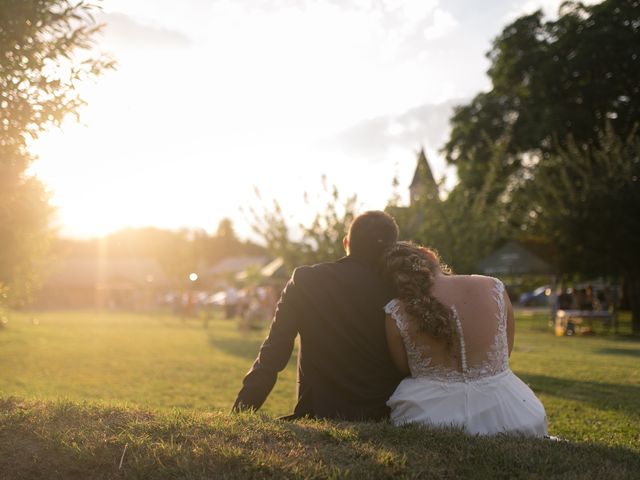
[{"x": 344, "y": 367}]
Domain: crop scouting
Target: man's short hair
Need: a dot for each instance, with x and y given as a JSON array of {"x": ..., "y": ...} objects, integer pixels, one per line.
[{"x": 370, "y": 233}]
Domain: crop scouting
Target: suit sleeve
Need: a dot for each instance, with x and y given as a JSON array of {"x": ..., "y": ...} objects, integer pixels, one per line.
[{"x": 274, "y": 353}]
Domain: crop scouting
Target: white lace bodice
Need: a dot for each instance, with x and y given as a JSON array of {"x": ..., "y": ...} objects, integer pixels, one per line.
[{"x": 420, "y": 363}]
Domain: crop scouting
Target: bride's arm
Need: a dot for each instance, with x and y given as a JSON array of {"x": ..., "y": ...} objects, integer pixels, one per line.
[
  {"x": 511, "y": 324},
  {"x": 396, "y": 346}
]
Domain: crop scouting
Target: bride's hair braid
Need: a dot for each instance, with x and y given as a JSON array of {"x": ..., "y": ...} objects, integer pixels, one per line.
[{"x": 412, "y": 268}]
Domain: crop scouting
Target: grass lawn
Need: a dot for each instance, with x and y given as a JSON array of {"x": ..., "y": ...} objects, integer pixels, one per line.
[
  {"x": 589, "y": 385},
  {"x": 102, "y": 380},
  {"x": 154, "y": 361}
]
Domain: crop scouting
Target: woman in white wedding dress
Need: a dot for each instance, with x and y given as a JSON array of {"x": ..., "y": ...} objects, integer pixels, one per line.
[{"x": 453, "y": 335}]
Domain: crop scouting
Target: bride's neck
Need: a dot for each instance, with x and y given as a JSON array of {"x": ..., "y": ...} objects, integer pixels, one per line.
[
  {"x": 439, "y": 276},
  {"x": 438, "y": 273}
]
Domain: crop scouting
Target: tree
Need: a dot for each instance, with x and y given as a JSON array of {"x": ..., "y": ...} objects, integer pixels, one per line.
[
  {"x": 466, "y": 225},
  {"x": 269, "y": 223},
  {"x": 226, "y": 241},
  {"x": 556, "y": 87},
  {"x": 588, "y": 201},
  {"x": 45, "y": 52},
  {"x": 551, "y": 80},
  {"x": 178, "y": 252},
  {"x": 225, "y": 230},
  {"x": 320, "y": 240}
]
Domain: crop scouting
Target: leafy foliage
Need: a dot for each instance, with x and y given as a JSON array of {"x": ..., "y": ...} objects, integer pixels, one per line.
[
  {"x": 586, "y": 200},
  {"x": 177, "y": 252},
  {"x": 556, "y": 136},
  {"x": 551, "y": 80},
  {"x": 319, "y": 240},
  {"x": 45, "y": 52},
  {"x": 466, "y": 225},
  {"x": 24, "y": 238}
]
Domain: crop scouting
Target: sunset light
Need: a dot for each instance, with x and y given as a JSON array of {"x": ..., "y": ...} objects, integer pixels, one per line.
[
  {"x": 356, "y": 239},
  {"x": 210, "y": 99}
]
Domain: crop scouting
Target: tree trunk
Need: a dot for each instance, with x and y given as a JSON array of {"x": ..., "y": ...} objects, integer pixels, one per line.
[{"x": 632, "y": 284}]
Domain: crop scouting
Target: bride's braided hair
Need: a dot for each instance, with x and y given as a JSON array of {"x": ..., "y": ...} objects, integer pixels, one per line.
[{"x": 412, "y": 268}]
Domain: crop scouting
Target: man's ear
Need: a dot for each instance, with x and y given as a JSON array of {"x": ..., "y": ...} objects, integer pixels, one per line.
[{"x": 345, "y": 244}]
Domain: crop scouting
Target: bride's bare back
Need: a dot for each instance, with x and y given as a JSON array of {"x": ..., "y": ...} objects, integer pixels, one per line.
[
  {"x": 484, "y": 325},
  {"x": 453, "y": 337}
]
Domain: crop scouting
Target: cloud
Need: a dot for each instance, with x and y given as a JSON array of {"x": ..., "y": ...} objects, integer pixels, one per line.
[
  {"x": 416, "y": 25},
  {"x": 409, "y": 23},
  {"x": 426, "y": 125},
  {"x": 123, "y": 31},
  {"x": 443, "y": 23},
  {"x": 550, "y": 8}
]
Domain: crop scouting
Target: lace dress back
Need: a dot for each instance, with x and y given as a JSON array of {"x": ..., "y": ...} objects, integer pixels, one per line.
[{"x": 485, "y": 355}]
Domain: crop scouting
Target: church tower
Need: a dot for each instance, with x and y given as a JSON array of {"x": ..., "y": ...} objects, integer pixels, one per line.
[{"x": 423, "y": 186}]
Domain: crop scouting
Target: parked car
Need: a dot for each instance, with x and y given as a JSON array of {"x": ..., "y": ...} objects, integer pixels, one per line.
[{"x": 539, "y": 297}]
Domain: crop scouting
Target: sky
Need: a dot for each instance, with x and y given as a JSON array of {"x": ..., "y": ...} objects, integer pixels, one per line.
[{"x": 212, "y": 99}]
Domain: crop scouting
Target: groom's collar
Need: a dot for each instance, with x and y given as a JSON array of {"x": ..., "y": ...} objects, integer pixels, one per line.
[{"x": 360, "y": 261}]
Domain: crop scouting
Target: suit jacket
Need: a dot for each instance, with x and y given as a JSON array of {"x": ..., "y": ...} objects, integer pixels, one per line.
[{"x": 344, "y": 366}]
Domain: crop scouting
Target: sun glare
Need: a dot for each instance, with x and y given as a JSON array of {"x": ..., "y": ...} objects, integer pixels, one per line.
[{"x": 224, "y": 100}]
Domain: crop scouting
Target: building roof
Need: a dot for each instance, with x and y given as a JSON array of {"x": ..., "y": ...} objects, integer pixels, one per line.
[
  {"x": 234, "y": 265},
  {"x": 93, "y": 272},
  {"x": 513, "y": 259},
  {"x": 423, "y": 174},
  {"x": 275, "y": 269}
]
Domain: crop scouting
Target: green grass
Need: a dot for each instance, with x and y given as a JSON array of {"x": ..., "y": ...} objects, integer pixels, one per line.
[
  {"x": 589, "y": 385},
  {"x": 77, "y": 441},
  {"x": 154, "y": 361},
  {"x": 76, "y": 387}
]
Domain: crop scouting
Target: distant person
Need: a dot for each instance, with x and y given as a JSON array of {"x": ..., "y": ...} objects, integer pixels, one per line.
[
  {"x": 453, "y": 335},
  {"x": 606, "y": 299},
  {"x": 345, "y": 369},
  {"x": 231, "y": 302},
  {"x": 583, "y": 299},
  {"x": 564, "y": 299},
  {"x": 579, "y": 299},
  {"x": 589, "y": 299}
]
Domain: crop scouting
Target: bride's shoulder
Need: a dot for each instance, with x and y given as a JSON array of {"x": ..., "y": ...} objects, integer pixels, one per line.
[
  {"x": 392, "y": 307},
  {"x": 475, "y": 279},
  {"x": 486, "y": 278},
  {"x": 493, "y": 282},
  {"x": 471, "y": 278}
]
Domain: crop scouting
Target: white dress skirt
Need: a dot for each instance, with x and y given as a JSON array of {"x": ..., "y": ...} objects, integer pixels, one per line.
[
  {"x": 501, "y": 403},
  {"x": 486, "y": 399}
]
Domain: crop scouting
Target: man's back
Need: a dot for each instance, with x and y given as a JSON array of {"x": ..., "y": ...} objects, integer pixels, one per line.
[{"x": 345, "y": 370}]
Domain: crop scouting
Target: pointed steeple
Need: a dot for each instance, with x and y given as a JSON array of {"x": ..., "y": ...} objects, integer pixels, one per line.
[{"x": 423, "y": 184}]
